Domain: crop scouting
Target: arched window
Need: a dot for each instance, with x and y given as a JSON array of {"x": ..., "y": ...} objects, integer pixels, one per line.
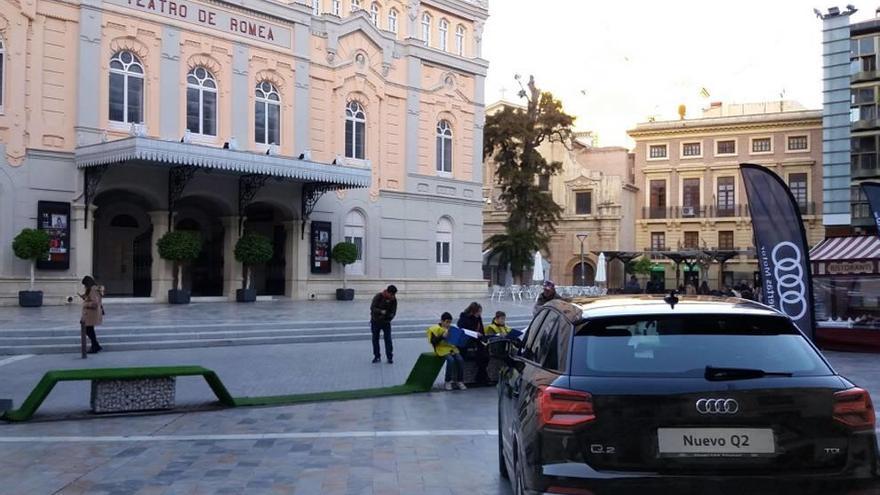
[
  {"x": 337, "y": 7},
  {"x": 355, "y": 233},
  {"x": 392, "y": 20},
  {"x": 444, "y": 33},
  {"x": 267, "y": 114},
  {"x": 2, "y": 73},
  {"x": 355, "y": 5},
  {"x": 126, "y": 88},
  {"x": 426, "y": 29},
  {"x": 374, "y": 13},
  {"x": 201, "y": 102},
  {"x": 459, "y": 40},
  {"x": 355, "y": 130},
  {"x": 443, "y": 247},
  {"x": 444, "y": 147},
  {"x": 316, "y": 7}
]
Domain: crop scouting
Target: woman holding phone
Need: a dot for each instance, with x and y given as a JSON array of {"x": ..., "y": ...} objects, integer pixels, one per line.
[{"x": 92, "y": 312}]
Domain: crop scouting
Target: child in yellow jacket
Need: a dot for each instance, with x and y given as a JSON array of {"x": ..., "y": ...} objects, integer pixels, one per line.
[
  {"x": 498, "y": 326},
  {"x": 437, "y": 335}
]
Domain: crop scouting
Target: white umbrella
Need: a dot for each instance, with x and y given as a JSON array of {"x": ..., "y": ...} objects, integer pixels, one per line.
[
  {"x": 601, "y": 276},
  {"x": 538, "y": 270}
]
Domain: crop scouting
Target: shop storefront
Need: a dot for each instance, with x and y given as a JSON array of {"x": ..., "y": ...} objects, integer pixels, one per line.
[{"x": 846, "y": 289}]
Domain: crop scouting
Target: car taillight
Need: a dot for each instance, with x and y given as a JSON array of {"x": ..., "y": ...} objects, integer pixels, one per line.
[
  {"x": 565, "y": 408},
  {"x": 854, "y": 409}
]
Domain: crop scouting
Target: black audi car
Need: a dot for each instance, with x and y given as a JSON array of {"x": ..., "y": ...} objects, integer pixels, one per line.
[{"x": 660, "y": 395}]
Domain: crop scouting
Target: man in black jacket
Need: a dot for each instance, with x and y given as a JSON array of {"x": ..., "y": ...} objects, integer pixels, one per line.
[{"x": 382, "y": 311}]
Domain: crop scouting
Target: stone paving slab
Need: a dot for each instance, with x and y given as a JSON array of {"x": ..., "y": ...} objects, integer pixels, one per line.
[{"x": 419, "y": 463}]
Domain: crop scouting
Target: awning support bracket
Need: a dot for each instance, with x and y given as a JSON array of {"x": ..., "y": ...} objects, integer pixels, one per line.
[
  {"x": 91, "y": 180},
  {"x": 311, "y": 194},
  {"x": 248, "y": 187},
  {"x": 178, "y": 178}
]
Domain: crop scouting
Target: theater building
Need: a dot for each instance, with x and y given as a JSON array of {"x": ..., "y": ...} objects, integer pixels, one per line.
[{"x": 310, "y": 123}]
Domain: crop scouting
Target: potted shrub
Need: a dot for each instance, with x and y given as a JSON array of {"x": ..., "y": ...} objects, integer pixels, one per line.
[
  {"x": 179, "y": 247},
  {"x": 344, "y": 253},
  {"x": 31, "y": 245},
  {"x": 251, "y": 249}
]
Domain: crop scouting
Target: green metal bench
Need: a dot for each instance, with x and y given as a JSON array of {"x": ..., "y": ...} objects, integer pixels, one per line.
[
  {"x": 421, "y": 379},
  {"x": 51, "y": 378}
]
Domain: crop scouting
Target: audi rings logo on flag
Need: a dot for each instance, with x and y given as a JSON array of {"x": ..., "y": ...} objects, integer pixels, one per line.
[
  {"x": 717, "y": 406},
  {"x": 789, "y": 274}
]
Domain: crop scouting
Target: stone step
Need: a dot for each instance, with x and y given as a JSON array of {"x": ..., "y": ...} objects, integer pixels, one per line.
[
  {"x": 68, "y": 341},
  {"x": 514, "y": 321},
  {"x": 216, "y": 342}
]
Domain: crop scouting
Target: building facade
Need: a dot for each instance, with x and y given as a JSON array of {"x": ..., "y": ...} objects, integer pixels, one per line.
[
  {"x": 310, "y": 123},
  {"x": 595, "y": 190},
  {"x": 851, "y": 122},
  {"x": 691, "y": 192}
]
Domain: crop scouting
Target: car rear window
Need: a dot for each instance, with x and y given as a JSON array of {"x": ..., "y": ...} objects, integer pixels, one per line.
[{"x": 683, "y": 346}]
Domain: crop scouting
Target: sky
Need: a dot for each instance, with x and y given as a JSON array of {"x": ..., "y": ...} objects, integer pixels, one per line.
[{"x": 616, "y": 63}]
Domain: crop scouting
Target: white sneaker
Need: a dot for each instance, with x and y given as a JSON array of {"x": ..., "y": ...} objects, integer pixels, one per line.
[
  {"x": 462, "y": 386},
  {"x": 448, "y": 386}
]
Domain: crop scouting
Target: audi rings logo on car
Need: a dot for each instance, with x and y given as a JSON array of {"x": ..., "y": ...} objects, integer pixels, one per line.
[
  {"x": 717, "y": 406},
  {"x": 789, "y": 274}
]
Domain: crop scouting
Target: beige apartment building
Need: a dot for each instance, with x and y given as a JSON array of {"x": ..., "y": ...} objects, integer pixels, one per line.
[
  {"x": 596, "y": 192},
  {"x": 691, "y": 193}
]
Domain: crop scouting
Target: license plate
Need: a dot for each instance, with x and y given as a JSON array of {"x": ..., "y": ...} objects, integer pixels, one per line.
[{"x": 715, "y": 441}]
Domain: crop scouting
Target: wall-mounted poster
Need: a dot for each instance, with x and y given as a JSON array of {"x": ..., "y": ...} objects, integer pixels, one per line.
[
  {"x": 54, "y": 219},
  {"x": 321, "y": 247}
]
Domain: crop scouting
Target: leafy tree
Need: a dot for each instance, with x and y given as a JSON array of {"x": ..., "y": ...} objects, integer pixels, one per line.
[
  {"x": 179, "y": 247},
  {"x": 512, "y": 138},
  {"x": 344, "y": 253},
  {"x": 641, "y": 267},
  {"x": 31, "y": 245},
  {"x": 252, "y": 249}
]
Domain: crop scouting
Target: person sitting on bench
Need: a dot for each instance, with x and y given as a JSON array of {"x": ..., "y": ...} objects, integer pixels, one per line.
[{"x": 437, "y": 335}]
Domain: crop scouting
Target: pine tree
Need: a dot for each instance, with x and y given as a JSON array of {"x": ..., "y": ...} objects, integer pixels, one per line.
[{"x": 512, "y": 138}]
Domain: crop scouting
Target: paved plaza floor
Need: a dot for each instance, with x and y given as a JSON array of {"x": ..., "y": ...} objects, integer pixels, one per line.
[{"x": 438, "y": 443}]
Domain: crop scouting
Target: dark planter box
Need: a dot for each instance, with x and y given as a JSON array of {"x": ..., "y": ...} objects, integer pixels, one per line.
[
  {"x": 178, "y": 296},
  {"x": 30, "y": 298},
  {"x": 246, "y": 295},
  {"x": 345, "y": 294}
]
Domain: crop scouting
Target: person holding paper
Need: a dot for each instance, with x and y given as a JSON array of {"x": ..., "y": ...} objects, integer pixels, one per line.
[
  {"x": 472, "y": 319},
  {"x": 437, "y": 335},
  {"x": 498, "y": 326}
]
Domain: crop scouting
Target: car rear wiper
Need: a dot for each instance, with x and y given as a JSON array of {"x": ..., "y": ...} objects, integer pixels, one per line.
[{"x": 722, "y": 374}]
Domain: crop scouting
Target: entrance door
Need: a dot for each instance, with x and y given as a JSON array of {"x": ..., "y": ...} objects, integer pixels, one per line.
[
  {"x": 589, "y": 275},
  {"x": 275, "y": 266},
  {"x": 142, "y": 264}
]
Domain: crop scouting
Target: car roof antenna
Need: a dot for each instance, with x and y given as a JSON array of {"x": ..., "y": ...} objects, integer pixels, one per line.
[{"x": 671, "y": 299}]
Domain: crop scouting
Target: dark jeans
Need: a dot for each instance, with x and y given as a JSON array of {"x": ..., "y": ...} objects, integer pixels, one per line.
[
  {"x": 90, "y": 333},
  {"x": 478, "y": 353},
  {"x": 454, "y": 367},
  {"x": 384, "y": 327}
]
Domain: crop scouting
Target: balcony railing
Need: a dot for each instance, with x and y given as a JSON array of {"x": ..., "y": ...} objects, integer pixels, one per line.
[{"x": 686, "y": 212}]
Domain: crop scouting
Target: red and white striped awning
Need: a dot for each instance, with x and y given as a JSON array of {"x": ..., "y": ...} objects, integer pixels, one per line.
[{"x": 862, "y": 247}]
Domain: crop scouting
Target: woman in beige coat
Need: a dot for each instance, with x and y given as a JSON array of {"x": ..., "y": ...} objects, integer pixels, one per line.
[{"x": 92, "y": 312}]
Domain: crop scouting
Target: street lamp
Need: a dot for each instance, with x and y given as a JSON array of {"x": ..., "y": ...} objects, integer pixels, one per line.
[{"x": 582, "y": 238}]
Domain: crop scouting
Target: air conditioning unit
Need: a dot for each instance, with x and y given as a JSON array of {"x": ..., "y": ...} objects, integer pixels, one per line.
[{"x": 687, "y": 211}]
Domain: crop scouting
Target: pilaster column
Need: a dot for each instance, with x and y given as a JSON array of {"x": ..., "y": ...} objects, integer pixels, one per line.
[
  {"x": 298, "y": 265},
  {"x": 232, "y": 270},
  {"x": 83, "y": 241},
  {"x": 161, "y": 271},
  {"x": 291, "y": 230}
]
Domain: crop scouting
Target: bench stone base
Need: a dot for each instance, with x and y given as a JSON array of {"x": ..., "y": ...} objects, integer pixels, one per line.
[{"x": 113, "y": 396}]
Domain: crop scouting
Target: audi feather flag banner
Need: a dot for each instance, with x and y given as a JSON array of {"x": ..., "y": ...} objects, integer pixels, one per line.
[
  {"x": 872, "y": 191},
  {"x": 780, "y": 245}
]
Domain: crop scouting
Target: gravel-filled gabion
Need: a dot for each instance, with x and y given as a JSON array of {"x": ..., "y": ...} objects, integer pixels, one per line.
[{"x": 132, "y": 395}]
